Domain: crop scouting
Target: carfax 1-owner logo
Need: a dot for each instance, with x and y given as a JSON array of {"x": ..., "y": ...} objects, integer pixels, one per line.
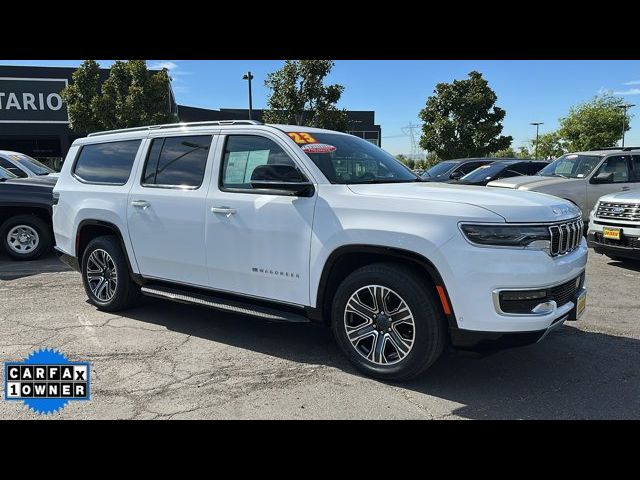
[{"x": 46, "y": 380}]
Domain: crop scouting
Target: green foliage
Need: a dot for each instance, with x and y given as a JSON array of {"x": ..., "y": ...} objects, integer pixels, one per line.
[
  {"x": 131, "y": 97},
  {"x": 461, "y": 120},
  {"x": 550, "y": 146},
  {"x": 506, "y": 153},
  {"x": 594, "y": 124},
  {"x": 299, "y": 97},
  {"x": 409, "y": 162}
]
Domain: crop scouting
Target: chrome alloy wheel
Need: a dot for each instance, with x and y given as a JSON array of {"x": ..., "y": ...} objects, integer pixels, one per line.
[
  {"x": 379, "y": 325},
  {"x": 23, "y": 239},
  {"x": 102, "y": 275}
]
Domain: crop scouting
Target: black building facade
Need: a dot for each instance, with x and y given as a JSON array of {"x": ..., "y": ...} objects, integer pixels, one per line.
[{"x": 34, "y": 119}]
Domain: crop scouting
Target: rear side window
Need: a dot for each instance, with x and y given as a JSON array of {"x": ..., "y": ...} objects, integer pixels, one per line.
[
  {"x": 177, "y": 161},
  {"x": 108, "y": 163}
]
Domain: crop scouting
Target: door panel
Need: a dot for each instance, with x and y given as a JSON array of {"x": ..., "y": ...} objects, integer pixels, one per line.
[
  {"x": 167, "y": 222},
  {"x": 257, "y": 244}
]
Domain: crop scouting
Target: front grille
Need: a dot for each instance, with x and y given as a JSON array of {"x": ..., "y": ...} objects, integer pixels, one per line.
[
  {"x": 629, "y": 242},
  {"x": 565, "y": 237},
  {"x": 620, "y": 211},
  {"x": 561, "y": 294}
]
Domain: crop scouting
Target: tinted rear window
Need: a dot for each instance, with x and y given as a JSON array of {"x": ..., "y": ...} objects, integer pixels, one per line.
[
  {"x": 177, "y": 161},
  {"x": 108, "y": 163}
]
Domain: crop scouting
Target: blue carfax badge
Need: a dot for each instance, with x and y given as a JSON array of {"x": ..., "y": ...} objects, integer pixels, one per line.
[{"x": 46, "y": 380}]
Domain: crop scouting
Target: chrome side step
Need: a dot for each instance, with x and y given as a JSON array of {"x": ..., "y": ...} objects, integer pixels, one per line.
[{"x": 211, "y": 301}]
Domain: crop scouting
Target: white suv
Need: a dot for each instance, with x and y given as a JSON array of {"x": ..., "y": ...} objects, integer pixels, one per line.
[{"x": 291, "y": 223}]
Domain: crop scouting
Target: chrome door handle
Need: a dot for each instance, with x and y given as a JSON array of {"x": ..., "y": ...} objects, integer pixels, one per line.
[
  {"x": 226, "y": 210},
  {"x": 141, "y": 203}
]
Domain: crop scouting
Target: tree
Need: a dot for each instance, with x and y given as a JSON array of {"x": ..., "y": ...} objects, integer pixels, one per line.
[
  {"x": 594, "y": 124},
  {"x": 132, "y": 96},
  {"x": 300, "y": 97},
  {"x": 550, "y": 146},
  {"x": 409, "y": 162},
  {"x": 462, "y": 120},
  {"x": 506, "y": 153}
]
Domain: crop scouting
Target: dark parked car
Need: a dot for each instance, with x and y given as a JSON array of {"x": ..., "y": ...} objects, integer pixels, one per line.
[
  {"x": 454, "y": 169},
  {"x": 25, "y": 215},
  {"x": 501, "y": 169}
]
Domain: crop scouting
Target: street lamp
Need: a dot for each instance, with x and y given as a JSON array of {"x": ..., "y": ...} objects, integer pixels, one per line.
[
  {"x": 537, "y": 125},
  {"x": 624, "y": 107},
  {"x": 249, "y": 77}
]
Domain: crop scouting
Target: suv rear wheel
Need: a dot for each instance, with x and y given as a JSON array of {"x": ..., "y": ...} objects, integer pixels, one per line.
[
  {"x": 105, "y": 275},
  {"x": 387, "y": 321}
]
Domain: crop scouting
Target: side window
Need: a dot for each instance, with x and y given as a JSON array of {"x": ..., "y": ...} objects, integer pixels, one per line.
[
  {"x": 469, "y": 167},
  {"x": 243, "y": 153},
  {"x": 635, "y": 164},
  {"x": 518, "y": 169},
  {"x": 177, "y": 161},
  {"x": 7, "y": 165},
  {"x": 618, "y": 166},
  {"x": 108, "y": 163},
  {"x": 535, "y": 167}
]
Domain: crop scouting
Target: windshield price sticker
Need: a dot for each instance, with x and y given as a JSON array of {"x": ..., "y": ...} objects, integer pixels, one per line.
[{"x": 302, "y": 138}]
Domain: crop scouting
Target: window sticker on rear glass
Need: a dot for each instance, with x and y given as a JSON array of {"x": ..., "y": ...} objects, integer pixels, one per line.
[
  {"x": 302, "y": 138},
  {"x": 318, "y": 148}
]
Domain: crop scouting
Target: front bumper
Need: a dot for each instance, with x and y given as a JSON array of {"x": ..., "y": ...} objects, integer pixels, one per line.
[
  {"x": 627, "y": 247},
  {"x": 472, "y": 274}
]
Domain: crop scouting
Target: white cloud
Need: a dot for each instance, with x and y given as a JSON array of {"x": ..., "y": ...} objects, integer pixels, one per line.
[
  {"x": 160, "y": 65},
  {"x": 632, "y": 82},
  {"x": 631, "y": 91}
]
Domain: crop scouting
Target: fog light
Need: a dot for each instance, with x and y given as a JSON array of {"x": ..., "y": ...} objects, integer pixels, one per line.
[
  {"x": 544, "y": 308},
  {"x": 521, "y": 295}
]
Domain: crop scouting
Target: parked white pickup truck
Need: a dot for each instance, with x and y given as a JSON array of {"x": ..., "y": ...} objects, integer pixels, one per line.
[{"x": 290, "y": 223}]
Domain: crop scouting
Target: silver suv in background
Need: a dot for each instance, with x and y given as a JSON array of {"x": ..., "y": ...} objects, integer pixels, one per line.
[
  {"x": 583, "y": 177},
  {"x": 614, "y": 227}
]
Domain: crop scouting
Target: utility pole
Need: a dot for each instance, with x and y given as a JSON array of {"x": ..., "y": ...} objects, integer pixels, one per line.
[
  {"x": 537, "y": 125},
  {"x": 624, "y": 107},
  {"x": 249, "y": 77}
]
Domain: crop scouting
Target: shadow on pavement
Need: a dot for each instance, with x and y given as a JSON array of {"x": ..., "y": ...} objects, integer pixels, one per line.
[
  {"x": 633, "y": 265},
  {"x": 572, "y": 374},
  {"x": 13, "y": 269}
]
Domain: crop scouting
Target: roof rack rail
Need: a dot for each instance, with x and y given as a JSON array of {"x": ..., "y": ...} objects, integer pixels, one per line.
[
  {"x": 178, "y": 125},
  {"x": 622, "y": 149}
]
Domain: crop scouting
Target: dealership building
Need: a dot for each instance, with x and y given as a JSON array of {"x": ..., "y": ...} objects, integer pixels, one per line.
[{"x": 34, "y": 119}]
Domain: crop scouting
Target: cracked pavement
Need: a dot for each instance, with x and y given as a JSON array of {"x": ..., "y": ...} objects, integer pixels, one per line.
[{"x": 168, "y": 360}]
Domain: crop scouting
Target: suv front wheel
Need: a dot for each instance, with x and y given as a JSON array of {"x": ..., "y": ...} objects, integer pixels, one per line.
[
  {"x": 105, "y": 275},
  {"x": 387, "y": 321}
]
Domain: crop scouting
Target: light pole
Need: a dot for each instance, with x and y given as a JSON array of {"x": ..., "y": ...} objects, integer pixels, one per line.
[
  {"x": 624, "y": 107},
  {"x": 537, "y": 125},
  {"x": 249, "y": 77}
]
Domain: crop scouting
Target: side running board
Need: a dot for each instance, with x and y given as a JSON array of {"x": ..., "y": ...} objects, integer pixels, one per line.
[{"x": 218, "y": 303}]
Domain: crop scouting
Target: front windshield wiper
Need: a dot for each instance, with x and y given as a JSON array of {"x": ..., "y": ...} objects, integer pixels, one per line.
[{"x": 559, "y": 175}]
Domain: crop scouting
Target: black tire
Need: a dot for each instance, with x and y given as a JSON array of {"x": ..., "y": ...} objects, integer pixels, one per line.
[
  {"x": 429, "y": 322},
  {"x": 126, "y": 292},
  {"x": 43, "y": 242}
]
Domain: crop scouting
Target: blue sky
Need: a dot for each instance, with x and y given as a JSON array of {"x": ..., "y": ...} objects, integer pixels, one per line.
[{"x": 529, "y": 90}]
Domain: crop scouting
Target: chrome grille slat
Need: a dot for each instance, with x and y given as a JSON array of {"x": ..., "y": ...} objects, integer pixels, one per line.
[
  {"x": 630, "y": 211},
  {"x": 565, "y": 237}
]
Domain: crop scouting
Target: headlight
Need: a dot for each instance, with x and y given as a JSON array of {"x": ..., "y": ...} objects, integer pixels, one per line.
[{"x": 523, "y": 236}]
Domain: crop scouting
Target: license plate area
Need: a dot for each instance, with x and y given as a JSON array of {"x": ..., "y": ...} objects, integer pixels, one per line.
[
  {"x": 580, "y": 303},
  {"x": 612, "y": 233}
]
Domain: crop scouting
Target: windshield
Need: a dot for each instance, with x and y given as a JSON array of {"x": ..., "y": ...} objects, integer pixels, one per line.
[
  {"x": 485, "y": 172},
  {"x": 439, "y": 169},
  {"x": 571, "y": 166},
  {"x": 346, "y": 159},
  {"x": 31, "y": 164},
  {"x": 6, "y": 174}
]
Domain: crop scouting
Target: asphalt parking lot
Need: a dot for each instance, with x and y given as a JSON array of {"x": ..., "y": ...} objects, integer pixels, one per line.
[{"x": 166, "y": 360}]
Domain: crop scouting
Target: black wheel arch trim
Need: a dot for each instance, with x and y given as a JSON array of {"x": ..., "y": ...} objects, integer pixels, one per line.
[
  {"x": 137, "y": 278},
  {"x": 316, "y": 313}
]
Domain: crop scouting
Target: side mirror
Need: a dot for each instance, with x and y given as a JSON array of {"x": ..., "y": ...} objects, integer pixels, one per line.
[
  {"x": 603, "y": 178},
  {"x": 281, "y": 179},
  {"x": 457, "y": 175}
]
